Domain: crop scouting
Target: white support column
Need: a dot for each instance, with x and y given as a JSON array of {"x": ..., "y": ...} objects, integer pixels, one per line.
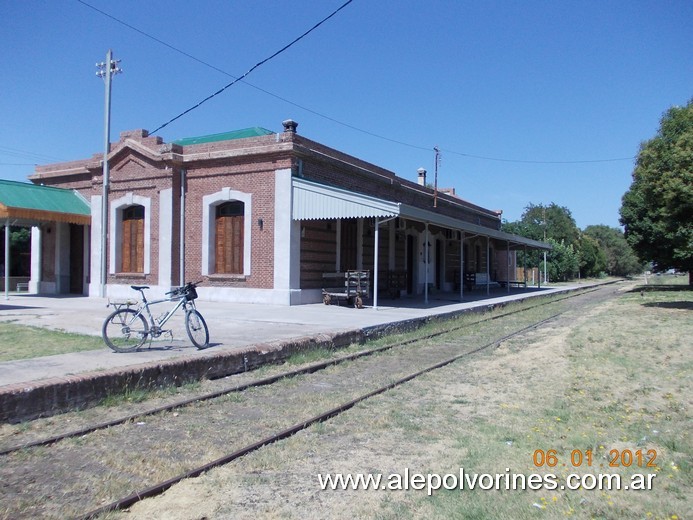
[
  {"x": 461, "y": 265},
  {"x": 426, "y": 258},
  {"x": 338, "y": 245},
  {"x": 545, "y": 277},
  {"x": 7, "y": 259},
  {"x": 375, "y": 263},
  {"x": 376, "y": 255},
  {"x": 359, "y": 244},
  {"x": 488, "y": 266},
  {"x": 391, "y": 262},
  {"x": 508, "y": 267},
  {"x": 37, "y": 259}
]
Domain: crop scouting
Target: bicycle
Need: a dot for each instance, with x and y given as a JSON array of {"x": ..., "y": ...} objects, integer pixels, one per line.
[{"x": 126, "y": 329}]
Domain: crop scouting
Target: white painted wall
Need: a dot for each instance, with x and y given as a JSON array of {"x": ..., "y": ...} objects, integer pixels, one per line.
[
  {"x": 95, "y": 263},
  {"x": 165, "y": 236}
]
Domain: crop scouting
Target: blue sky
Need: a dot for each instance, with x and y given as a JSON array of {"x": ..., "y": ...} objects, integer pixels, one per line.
[{"x": 514, "y": 93}]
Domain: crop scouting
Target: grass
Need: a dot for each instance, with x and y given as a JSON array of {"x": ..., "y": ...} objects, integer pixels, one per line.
[
  {"x": 623, "y": 388},
  {"x": 618, "y": 378},
  {"x": 615, "y": 380},
  {"x": 667, "y": 279},
  {"x": 23, "y": 342}
]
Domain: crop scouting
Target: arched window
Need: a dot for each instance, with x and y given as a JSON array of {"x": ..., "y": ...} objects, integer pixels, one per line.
[
  {"x": 229, "y": 226},
  {"x": 132, "y": 234}
]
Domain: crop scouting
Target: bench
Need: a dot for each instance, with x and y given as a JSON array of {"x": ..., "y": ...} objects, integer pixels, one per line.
[
  {"x": 477, "y": 280},
  {"x": 513, "y": 283},
  {"x": 469, "y": 281},
  {"x": 23, "y": 286},
  {"x": 396, "y": 283}
]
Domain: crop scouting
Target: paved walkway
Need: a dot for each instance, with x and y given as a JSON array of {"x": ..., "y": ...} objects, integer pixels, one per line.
[{"x": 231, "y": 326}]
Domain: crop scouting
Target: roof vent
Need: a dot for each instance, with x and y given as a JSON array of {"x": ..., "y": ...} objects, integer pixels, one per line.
[
  {"x": 422, "y": 176},
  {"x": 290, "y": 126}
]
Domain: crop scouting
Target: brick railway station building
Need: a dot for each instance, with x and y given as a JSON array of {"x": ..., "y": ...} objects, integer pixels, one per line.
[{"x": 264, "y": 217}]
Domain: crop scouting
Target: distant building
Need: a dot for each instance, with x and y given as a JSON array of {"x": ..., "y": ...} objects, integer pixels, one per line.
[
  {"x": 264, "y": 217},
  {"x": 59, "y": 219}
]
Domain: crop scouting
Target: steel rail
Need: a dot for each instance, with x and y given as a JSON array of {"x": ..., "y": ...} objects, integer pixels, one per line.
[
  {"x": 310, "y": 369},
  {"x": 157, "y": 489}
]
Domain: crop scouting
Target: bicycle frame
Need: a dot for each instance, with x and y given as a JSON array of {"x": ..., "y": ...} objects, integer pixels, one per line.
[
  {"x": 157, "y": 323},
  {"x": 128, "y": 327}
]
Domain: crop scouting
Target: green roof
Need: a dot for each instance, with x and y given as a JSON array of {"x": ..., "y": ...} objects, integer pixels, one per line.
[
  {"x": 255, "y": 131},
  {"x": 23, "y": 195}
]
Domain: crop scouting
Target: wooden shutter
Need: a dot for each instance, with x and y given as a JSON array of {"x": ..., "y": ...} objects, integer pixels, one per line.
[
  {"x": 229, "y": 238},
  {"x": 132, "y": 252},
  {"x": 349, "y": 244}
]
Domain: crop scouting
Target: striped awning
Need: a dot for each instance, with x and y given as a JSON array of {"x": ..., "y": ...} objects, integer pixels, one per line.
[{"x": 313, "y": 201}]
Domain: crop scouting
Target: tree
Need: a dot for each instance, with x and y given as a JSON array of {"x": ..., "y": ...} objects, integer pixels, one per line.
[
  {"x": 20, "y": 251},
  {"x": 620, "y": 258},
  {"x": 552, "y": 221},
  {"x": 592, "y": 257},
  {"x": 548, "y": 223},
  {"x": 563, "y": 261},
  {"x": 657, "y": 210}
]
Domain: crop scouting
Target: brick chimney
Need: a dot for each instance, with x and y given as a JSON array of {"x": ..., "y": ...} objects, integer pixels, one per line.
[
  {"x": 290, "y": 126},
  {"x": 422, "y": 176}
]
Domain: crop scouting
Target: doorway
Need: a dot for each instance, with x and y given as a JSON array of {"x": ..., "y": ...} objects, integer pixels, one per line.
[
  {"x": 76, "y": 259},
  {"x": 439, "y": 264},
  {"x": 410, "y": 264}
]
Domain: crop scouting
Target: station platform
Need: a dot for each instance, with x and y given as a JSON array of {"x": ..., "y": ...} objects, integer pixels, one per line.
[{"x": 242, "y": 337}]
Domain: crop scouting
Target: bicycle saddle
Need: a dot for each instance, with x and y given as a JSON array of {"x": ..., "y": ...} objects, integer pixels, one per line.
[{"x": 139, "y": 287}]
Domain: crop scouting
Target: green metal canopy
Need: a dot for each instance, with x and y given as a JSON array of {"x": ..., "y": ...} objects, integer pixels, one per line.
[
  {"x": 24, "y": 201},
  {"x": 29, "y": 204},
  {"x": 255, "y": 131}
]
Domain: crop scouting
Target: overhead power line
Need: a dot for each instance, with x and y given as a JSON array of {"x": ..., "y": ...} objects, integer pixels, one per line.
[
  {"x": 16, "y": 164},
  {"x": 256, "y": 65},
  {"x": 315, "y": 112},
  {"x": 538, "y": 162},
  {"x": 23, "y": 154}
]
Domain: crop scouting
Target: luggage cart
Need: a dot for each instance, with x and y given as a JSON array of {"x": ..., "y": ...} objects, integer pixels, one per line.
[{"x": 356, "y": 289}]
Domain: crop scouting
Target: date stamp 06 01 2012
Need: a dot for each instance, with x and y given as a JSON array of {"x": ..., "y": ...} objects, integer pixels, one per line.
[{"x": 579, "y": 458}]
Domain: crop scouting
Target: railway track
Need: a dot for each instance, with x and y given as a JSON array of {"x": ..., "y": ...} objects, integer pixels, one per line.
[
  {"x": 310, "y": 368},
  {"x": 166, "y": 444}
]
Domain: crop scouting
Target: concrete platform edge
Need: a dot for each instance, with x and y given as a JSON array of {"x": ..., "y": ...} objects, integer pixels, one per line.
[{"x": 43, "y": 398}]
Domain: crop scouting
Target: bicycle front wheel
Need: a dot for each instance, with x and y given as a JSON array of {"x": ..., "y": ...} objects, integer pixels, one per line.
[
  {"x": 125, "y": 330},
  {"x": 197, "y": 329}
]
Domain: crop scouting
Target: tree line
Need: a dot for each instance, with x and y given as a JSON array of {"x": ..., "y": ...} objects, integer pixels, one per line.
[
  {"x": 656, "y": 214},
  {"x": 593, "y": 252}
]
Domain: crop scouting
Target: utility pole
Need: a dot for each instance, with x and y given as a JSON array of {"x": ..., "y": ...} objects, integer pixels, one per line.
[
  {"x": 543, "y": 210},
  {"x": 435, "y": 178},
  {"x": 106, "y": 71}
]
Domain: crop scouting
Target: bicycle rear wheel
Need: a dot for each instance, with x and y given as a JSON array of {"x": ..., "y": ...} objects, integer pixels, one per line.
[
  {"x": 197, "y": 329},
  {"x": 125, "y": 330}
]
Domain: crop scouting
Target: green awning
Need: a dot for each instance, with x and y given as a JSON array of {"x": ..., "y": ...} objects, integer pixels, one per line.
[
  {"x": 255, "y": 131},
  {"x": 21, "y": 200}
]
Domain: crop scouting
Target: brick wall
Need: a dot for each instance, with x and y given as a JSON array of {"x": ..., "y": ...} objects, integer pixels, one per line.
[
  {"x": 133, "y": 173},
  {"x": 255, "y": 177},
  {"x": 145, "y": 166},
  {"x": 318, "y": 252},
  {"x": 325, "y": 165}
]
